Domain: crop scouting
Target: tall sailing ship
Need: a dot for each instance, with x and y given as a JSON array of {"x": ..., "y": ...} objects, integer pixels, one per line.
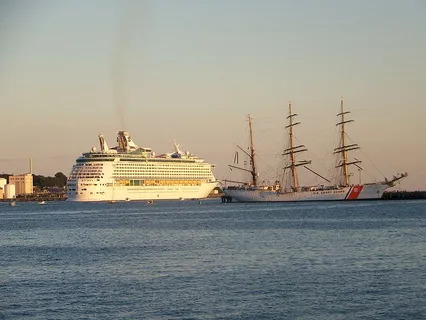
[
  {"x": 128, "y": 172},
  {"x": 342, "y": 190}
]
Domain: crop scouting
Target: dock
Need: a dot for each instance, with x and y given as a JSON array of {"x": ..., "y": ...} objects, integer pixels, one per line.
[
  {"x": 225, "y": 198},
  {"x": 404, "y": 195}
]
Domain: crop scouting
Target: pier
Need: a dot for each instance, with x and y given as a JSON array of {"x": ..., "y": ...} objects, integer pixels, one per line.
[
  {"x": 36, "y": 197},
  {"x": 404, "y": 195},
  {"x": 226, "y": 199}
]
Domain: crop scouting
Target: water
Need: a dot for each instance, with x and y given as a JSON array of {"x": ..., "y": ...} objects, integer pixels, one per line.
[{"x": 185, "y": 260}]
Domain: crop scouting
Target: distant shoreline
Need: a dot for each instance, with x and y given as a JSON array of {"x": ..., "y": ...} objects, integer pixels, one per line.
[{"x": 390, "y": 195}]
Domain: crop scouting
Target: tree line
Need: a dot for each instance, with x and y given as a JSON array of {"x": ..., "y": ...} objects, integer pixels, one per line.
[{"x": 58, "y": 180}]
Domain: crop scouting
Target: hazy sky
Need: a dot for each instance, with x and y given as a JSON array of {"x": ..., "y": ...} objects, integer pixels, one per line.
[{"x": 191, "y": 70}]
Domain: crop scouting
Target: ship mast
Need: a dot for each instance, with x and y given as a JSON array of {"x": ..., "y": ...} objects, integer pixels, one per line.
[
  {"x": 343, "y": 148},
  {"x": 292, "y": 150},
  {"x": 252, "y": 154}
]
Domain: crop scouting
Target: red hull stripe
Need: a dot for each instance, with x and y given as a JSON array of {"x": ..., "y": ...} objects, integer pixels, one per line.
[{"x": 354, "y": 193}]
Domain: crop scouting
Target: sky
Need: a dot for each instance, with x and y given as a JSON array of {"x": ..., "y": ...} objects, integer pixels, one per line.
[{"x": 191, "y": 70}]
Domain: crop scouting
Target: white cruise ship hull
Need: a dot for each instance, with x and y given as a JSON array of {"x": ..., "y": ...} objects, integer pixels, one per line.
[
  {"x": 357, "y": 192},
  {"x": 126, "y": 193}
]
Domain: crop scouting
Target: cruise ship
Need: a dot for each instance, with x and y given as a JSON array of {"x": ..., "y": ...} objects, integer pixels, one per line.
[{"x": 128, "y": 172}]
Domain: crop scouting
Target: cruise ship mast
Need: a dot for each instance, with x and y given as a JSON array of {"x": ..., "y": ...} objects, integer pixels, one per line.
[
  {"x": 343, "y": 148},
  {"x": 292, "y": 150}
]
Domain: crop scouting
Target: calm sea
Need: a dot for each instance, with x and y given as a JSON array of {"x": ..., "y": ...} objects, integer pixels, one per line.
[{"x": 213, "y": 260}]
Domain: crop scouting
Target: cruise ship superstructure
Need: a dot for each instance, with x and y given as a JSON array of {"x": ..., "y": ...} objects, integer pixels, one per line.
[{"x": 128, "y": 172}]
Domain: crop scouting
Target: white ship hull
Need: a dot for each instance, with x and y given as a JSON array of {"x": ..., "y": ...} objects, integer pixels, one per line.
[
  {"x": 357, "y": 192},
  {"x": 346, "y": 191},
  {"x": 125, "y": 193}
]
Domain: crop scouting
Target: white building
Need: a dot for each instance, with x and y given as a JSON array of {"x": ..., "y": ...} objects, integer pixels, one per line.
[
  {"x": 3, "y": 182},
  {"x": 9, "y": 191}
]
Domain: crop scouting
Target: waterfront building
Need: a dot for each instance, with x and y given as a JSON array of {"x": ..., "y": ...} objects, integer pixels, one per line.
[{"x": 23, "y": 183}]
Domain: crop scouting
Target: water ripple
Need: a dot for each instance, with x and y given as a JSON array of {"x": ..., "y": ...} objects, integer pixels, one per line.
[{"x": 186, "y": 260}]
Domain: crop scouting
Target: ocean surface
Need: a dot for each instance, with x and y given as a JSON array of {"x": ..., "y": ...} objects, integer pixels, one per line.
[{"x": 213, "y": 260}]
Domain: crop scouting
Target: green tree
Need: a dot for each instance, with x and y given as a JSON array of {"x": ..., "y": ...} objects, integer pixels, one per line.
[{"x": 61, "y": 179}]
